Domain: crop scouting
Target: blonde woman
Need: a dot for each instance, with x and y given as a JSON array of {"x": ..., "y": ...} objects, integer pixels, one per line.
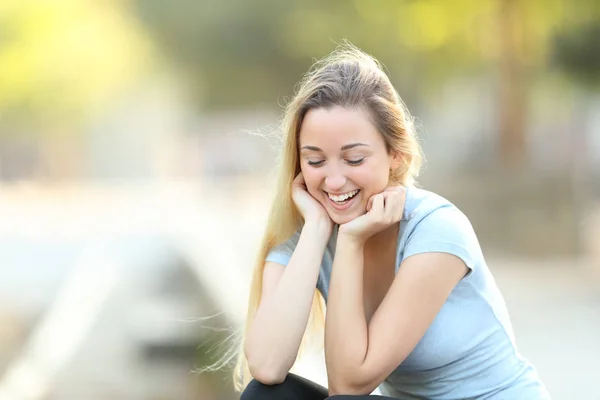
[{"x": 412, "y": 307}]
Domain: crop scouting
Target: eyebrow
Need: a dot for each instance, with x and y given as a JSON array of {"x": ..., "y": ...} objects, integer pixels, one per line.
[{"x": 344, "y": 148}]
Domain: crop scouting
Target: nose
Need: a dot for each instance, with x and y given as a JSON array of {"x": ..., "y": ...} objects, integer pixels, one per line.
[{"x": 334, "y": 181}]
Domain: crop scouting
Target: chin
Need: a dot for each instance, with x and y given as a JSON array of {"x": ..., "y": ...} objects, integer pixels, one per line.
[{"x": 341, "y": 219}]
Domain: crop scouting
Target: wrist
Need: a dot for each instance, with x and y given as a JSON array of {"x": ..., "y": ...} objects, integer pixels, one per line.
[
  {"x": 318, "y": 228},
  {"x": 349, "y": 240}
]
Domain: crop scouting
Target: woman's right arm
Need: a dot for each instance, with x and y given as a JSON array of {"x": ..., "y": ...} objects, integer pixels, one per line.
[{"x": 274, "y": 337}]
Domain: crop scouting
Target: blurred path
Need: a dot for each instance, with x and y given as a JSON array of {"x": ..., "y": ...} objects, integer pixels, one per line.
[
  {"x": 555, "y": 306},
  {"x": 555, "y": 312},
  {"x": 555, "y": 309}
]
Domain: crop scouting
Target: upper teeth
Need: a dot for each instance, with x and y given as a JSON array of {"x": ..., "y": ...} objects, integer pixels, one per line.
[{"x": 342, "y": 197}]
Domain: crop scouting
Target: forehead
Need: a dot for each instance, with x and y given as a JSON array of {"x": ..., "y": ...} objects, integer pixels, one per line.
[{"x": 337, "y": 126}]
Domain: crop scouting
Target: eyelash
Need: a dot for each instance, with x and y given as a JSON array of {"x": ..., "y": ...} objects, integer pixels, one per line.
[{"x": 350, "y": 162}]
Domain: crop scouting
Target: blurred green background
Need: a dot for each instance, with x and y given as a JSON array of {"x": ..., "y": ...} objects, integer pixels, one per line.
[{"x": 137, "y": 146}]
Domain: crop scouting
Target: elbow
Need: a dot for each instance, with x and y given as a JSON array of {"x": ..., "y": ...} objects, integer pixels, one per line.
[
  {"x": 341, "y": 388},
  {"x": 347, "y": 390},
  {"x": 267, "y": 372},
  {"x": 350, "y": 386},
  {"x": 267, "y": 375}
]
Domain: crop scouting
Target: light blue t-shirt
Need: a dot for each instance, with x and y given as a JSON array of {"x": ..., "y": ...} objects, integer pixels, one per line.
[{"x": 469, "y": 351}]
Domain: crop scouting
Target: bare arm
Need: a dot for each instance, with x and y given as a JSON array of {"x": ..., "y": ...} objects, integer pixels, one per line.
[
  {"x": 274, "y": 337},
  {"x": 361, "y": 355},
  {"x": 346, "y": 329}
]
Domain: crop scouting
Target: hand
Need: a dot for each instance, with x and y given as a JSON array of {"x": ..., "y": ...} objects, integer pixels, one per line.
[
  {"x": 383, "y": 210},
  {"x": 311, "y": 210}
]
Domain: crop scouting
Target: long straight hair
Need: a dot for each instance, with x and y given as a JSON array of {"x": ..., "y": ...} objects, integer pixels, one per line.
[{"x": 350, "y": 78}]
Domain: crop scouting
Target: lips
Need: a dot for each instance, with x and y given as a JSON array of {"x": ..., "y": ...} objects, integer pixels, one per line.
[
  {"x": 343, "y": 196},
  {"x": 344, "y": 204}
]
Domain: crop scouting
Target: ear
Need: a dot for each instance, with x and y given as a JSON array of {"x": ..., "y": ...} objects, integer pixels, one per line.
[{"x": 396, "y": 160}]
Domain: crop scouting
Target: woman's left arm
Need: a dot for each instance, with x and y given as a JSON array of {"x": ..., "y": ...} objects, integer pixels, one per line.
[{"x": 360, "y": 356}]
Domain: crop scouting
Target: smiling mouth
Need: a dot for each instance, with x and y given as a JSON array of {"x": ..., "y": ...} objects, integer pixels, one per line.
[{"x": 344, "y": 198}]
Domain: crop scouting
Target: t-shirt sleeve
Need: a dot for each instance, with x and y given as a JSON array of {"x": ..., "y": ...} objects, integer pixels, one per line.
[
  {"x": 445, "y": 230},
  {"x": 283, "y": 253}
]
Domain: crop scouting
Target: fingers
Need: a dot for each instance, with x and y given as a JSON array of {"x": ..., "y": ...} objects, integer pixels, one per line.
[
  {"x": 400, "y": 194},
  {"x": 393, "y": 208},
  {"x": 398, "y": 189},
  {"x": 299, "y": 182},
  {"x": 388, "y": 205},
  {"x": 370, "y": 202},
  {"x": 376, "y": 203},
  {"x": 299, "y": 179}
]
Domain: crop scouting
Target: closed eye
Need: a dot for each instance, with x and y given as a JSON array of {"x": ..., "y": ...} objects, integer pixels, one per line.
[
  {"x": 315, "y": 163},
  {"x": 350, "y": 162},
  {"x": 356, "y": 162}
]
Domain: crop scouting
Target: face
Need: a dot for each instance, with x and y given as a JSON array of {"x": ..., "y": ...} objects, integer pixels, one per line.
[{"x": 344, "y": 160}]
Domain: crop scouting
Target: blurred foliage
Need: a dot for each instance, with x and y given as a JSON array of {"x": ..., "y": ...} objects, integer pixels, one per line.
[
  {"x": 58, "y": 60},
  {"x": 241, "y": 52},
  {"x": 261, "y": 48},
  {"x": 577, "y": 52}
]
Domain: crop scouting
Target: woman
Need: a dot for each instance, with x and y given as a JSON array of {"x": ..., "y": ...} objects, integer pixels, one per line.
[{"x": 411, "y": 305}]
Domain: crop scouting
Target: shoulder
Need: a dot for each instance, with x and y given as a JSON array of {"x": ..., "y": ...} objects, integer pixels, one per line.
[
  {"x": 423, "y": 207},
  {"x": 433, "y": 223},
  {"x": 420, "y": 203}
]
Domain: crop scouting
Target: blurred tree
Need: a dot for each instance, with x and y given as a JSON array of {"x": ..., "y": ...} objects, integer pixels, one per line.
[
  {"x": 528, "y": 35},
  {"x": 512, "y": 86},
  {"x": 577, "y": 53},
  {"x": 253, "y": 52},
  {"x": 243, "y": 53},
  {"x": 58, "y": 60}
]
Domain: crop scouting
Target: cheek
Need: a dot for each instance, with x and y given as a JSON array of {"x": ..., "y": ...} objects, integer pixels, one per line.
[
  {"x": 312, "y": 177},
  {"x": 373, "y": 180}
]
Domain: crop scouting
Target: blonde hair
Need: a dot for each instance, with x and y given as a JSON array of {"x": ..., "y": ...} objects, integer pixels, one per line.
[{"x": 348, "y": 78}]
